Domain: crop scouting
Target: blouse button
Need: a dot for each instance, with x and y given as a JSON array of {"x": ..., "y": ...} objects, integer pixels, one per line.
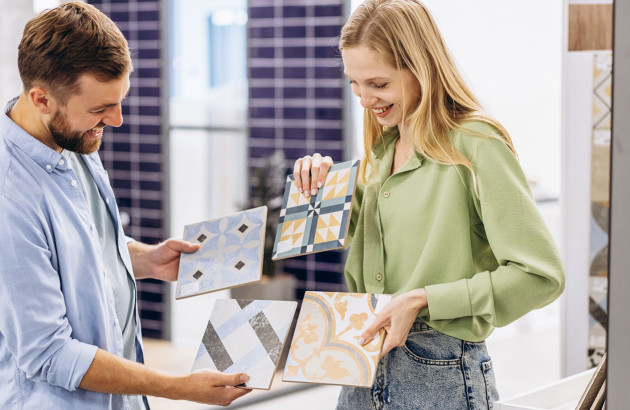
[
  {"x": 74, "y": 182},
  {"x": 61, "y": 162},
  {"x": 48, "y": 167},
  {"x": 386, "y": 194},
  {"x": 379, "y": 276}
]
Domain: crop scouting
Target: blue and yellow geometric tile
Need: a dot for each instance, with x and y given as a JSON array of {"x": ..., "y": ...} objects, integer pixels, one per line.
[{"x": 320, "y": 222}]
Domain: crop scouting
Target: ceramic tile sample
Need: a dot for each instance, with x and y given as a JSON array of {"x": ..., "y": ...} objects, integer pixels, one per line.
[
  {"x": 320, "y": 222},
  {"x": 600, "y": 207},
  {"x": 230, "y": 255},
  {"x": 324, "y": 348},
  {"x": 246, "y": 336}
]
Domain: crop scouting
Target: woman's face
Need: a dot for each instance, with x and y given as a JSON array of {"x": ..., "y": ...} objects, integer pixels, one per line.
[{"x": 380, "y": 86}]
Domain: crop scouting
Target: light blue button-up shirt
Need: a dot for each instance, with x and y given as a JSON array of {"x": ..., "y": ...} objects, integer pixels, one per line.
[{"x": 56, "y": 304}]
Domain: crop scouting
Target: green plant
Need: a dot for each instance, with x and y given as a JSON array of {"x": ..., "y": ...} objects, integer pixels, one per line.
[{"x": 268, "y": 190}]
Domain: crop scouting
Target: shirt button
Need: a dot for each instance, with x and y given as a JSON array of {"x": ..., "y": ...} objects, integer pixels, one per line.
[
  {"x": 61, "y": 162},
  {"x": 386, "y": 194},
  {"x": 74, "y": 182},
  {"x": 48, "y": 167},
  {"x": 379, "y": 276}
]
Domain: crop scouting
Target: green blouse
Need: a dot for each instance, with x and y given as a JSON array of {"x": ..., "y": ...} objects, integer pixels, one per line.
[{"x": 484, "y": 260}]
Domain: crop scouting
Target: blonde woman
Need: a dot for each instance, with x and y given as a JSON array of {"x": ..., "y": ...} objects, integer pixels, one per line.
[{"x": 444, "y": 218}]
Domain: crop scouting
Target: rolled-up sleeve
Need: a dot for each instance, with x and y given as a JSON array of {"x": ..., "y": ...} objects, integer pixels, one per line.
[{"x": 33, "y": 311}]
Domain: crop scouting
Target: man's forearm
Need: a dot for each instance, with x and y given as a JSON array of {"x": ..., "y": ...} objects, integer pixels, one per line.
[{"x": 109, "y": 373}]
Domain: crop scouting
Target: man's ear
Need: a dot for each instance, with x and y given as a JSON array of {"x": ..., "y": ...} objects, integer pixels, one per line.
[{"x": 40, "y": 99}]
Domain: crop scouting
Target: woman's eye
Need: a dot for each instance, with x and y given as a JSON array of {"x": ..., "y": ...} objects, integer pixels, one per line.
[{"x": 380, "y": 85}]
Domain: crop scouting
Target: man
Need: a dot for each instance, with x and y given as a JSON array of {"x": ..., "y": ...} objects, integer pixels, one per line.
[{"x": 69, "y": 326}]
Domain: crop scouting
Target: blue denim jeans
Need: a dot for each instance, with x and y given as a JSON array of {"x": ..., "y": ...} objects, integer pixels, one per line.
[{"x": 431, "y": 371}]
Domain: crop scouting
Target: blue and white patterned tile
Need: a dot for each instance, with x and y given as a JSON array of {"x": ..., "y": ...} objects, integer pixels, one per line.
[
  {"x": 230, "y": 255},
  {"x": 246, "y": 336}
]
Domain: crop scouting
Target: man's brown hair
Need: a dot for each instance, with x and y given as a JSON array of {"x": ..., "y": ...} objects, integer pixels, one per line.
[{"x": 60, "y": 45}]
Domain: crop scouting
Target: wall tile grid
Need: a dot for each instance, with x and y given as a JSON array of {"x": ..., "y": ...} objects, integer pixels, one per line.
[
  {"x": 132, "y": 153},
  {"x": 296, "y": 102}
]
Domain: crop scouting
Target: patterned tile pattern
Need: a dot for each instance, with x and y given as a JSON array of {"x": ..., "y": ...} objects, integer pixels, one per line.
[
  {"x": 297, "y": 102},
  {"x": 318, "y": 223},
  {"x": 600, "y": 207},
  {"x": 324, "y": 348},
  {"x": 133, "y": 153},
  {"x": 246, "y": 336},
  {"x": 230, "y": 254}
]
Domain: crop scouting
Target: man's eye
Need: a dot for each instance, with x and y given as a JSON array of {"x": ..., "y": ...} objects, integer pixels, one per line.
[{"x": 99, "y": 111}]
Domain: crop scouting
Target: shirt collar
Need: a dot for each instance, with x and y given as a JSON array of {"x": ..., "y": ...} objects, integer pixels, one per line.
[
  {"x": 44, "y": 156},
  {"x": 389, "y": 136},
  {"x": 387, "y": 141}
]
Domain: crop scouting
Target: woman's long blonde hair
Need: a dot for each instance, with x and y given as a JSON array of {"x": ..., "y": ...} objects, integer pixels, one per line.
[{"x": 404, "y": 32}]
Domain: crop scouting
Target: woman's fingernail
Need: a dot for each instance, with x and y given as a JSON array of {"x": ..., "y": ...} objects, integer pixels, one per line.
[
  {"x": 300, "y": 189},
  {"x": 244, "y": 378},
  {"x": 319, "y": 185},
  {"x": 361, "y": 341},
  {"x": 313, "y": 191}
]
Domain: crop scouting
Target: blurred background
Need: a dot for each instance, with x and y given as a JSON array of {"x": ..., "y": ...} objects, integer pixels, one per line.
[{"x": 227, "y": 94}]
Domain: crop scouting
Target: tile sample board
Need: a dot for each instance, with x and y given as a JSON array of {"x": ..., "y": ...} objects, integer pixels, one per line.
[
  {"x": 230, "y": 255},
  {"x": 324, "y": 348},
  {"x": 320, "y": 222},
  {"x": 246, "y": 336},
  {"x": 600, "y": 207}
]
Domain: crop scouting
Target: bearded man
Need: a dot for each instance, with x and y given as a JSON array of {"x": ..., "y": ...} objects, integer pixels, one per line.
[{"x": 69, "y": 326}]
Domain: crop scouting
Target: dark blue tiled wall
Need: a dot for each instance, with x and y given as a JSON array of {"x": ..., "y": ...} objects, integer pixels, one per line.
[
  {"x": 132, "y": 153},
  {"x": 296, "y": 102}
]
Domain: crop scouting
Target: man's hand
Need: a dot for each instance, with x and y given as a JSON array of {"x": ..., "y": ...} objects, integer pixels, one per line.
[
  {"x": 210, "y": 387},
  {"x": 159, "y": 261}
]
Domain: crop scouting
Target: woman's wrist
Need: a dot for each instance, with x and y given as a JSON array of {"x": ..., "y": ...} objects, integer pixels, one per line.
[{"x": 418, "y": 298}]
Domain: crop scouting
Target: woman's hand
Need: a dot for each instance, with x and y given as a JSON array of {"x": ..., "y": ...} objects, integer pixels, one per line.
[
  {"x": 396, "y": 318},
  {"x": 310, "y": 173}
]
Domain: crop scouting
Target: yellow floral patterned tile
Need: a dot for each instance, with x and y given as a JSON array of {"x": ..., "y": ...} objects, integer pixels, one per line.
[{"x": 324, "y": 348}]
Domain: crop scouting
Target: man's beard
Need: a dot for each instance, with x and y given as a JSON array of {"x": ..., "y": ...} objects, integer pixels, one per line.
[{"x": 70, "y": 140}]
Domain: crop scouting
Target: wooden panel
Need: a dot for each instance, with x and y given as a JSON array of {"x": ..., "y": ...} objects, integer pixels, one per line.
[{"x": 590, "y": 27}]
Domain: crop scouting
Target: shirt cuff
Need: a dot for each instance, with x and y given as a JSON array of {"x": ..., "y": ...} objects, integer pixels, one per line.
[
  {"x": 465, "y": 297},
  {"x": 71, "y": 364},
  {"x": 448, "y": 300}
]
